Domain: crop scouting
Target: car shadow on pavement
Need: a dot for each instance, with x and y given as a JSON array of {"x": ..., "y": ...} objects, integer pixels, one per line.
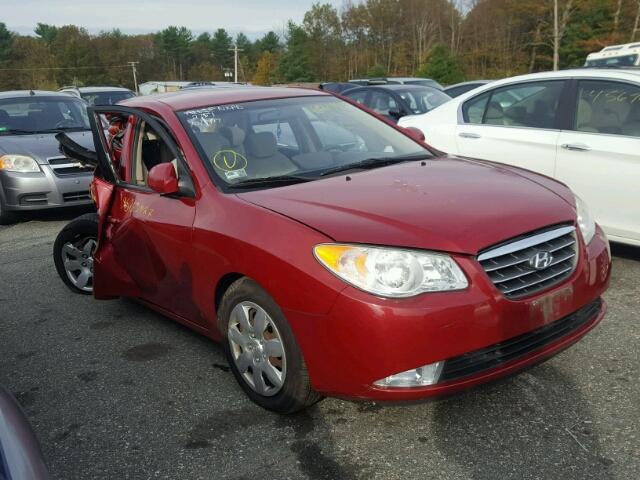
[
  {"x": 625, "y": 251},
  {"x": 535, "y": 425}
]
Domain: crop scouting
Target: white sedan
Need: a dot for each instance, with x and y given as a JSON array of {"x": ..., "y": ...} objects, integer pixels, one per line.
[{"x": 580, "y": 126}]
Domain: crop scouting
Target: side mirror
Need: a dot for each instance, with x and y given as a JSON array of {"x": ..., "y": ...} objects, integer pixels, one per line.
[
  {"x": 163, "y": 179},
  {"x": 415, "y": 133},
  {"x": 395, "y": 113}
]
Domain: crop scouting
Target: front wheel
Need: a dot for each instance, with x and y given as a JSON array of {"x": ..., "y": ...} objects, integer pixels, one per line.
[
  {"x": 262, "y": 351},
  {"x": 73, "y": 253}
]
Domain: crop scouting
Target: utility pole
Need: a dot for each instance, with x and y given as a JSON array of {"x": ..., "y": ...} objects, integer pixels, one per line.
[
  {"x": 235, "y": 51},
  {"x": 133, "y": 70},
  {"x": 556, "y": 37}
]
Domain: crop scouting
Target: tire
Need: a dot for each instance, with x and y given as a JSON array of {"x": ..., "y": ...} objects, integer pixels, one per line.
[
  {"x": 295, "y": 392},
  {"x": 7, "y": 217},
  {"x": 73, "y": 253}
]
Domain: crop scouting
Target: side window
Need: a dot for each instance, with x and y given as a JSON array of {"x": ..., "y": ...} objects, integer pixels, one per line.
[
  {"x": 608, "y": 107},
  {"x": 532, "y": 105},
  {"x": 382, "y": 102},
  {"x": 473, "y": 110},
  {"x": 149, "y": 151},
  {"x": 358, "y": 96}
]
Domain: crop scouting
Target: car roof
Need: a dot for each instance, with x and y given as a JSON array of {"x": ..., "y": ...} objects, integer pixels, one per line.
[
  {"x": 203, "y": 97},
  {"x": 97, "y": 89},
  {"x": 32, "y": 94},
  {"x": 393, "y": 87},
  {"x": 632, "y": 75}
]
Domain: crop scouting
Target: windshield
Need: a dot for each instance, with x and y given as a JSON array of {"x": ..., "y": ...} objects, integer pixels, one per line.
[
  {"x": 294, "y": 137},
  {"x": 37, "y": 114},
  {"x": 622, "y": 61},
  {"x": 106, "y": 98},
  {"x": 424, "y": 99}
]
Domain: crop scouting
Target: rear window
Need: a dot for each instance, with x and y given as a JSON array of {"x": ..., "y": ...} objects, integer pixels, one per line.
[{"x": 622, "y": 61}]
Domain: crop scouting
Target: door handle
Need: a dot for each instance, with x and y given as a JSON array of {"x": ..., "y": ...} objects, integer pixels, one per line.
[
  {"x": 576, "y": 147},
  {"x": 469, "y": 135}
]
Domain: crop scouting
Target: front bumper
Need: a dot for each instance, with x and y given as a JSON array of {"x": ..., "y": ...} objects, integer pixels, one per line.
[
  {"x": 364, "y": 339},
  {"x": 42, "y": 190}
]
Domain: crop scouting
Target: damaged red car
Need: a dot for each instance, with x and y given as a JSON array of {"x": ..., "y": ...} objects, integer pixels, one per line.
[{"x": 330, "y": 252}]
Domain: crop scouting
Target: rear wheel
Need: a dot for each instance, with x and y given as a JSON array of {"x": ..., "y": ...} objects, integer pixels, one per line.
[
  {"x": 73, "y": 253},
  {"x": 262, "y": 351}
]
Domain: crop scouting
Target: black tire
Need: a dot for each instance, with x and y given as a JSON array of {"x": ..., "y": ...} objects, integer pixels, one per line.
[
  {"x": 296, "y": 392},
  {"x": 7, "y": 217},
  {"x": 83, "y": 227}
]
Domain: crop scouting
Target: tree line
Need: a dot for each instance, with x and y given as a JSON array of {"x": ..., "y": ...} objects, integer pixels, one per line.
[{"x": 448, "y": 40}]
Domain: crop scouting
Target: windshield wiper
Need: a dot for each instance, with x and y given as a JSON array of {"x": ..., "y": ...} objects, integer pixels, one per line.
[
  {"x": 269, "y": 181},
  {"x": 375, "y": 163}
]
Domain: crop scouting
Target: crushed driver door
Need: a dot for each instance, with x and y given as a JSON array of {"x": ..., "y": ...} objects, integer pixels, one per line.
[{"x": 145, "y": 237}]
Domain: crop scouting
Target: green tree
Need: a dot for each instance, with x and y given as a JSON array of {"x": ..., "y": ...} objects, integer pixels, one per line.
[
  {"x": 6, "y": 42},
  {"x": 442, "y": 66},
  {"x": 295, "y": 64},
  {"x": 377, "y": 71},
  {"x": 221, "y": 43},
  {"x": 174, "y": 43},
  {"x": 46, "y": 32},
  {"x": 270, "y": 42},
  {"x": 323, "y": 29}
]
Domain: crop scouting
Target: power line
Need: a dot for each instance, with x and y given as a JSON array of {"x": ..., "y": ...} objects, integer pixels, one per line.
[{"x": 62, "y": 68}]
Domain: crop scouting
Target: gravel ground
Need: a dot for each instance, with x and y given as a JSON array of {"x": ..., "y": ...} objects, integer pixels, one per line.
[{"x": 116, "y": 391}]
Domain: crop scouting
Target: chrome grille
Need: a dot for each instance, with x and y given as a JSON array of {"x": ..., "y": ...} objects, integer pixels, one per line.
[
  {"x": 530, "y": 264},
  {"x": 65, "y": 167}
]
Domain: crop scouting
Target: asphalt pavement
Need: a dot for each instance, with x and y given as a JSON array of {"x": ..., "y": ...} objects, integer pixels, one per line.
[{"x": 115, "y": 391}]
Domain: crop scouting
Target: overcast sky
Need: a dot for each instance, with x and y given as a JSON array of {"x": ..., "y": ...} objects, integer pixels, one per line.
[{"x": 253, "y": 17}]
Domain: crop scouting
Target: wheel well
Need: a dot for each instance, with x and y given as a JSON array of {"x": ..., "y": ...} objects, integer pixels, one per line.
[{"x": 223, "y": 284}]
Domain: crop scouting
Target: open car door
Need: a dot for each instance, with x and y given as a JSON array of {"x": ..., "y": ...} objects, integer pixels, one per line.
[{"x": 144, "y": 236}]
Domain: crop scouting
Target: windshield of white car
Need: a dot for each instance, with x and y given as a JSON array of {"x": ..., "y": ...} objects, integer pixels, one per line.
[
  {"x": 621, "y": 61},
  {"x": 36, "y": 114},
  {"x": 300, "y": 137}
]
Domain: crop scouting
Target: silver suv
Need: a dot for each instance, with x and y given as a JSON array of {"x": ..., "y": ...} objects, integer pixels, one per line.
[{"x": 34, "y": 174}]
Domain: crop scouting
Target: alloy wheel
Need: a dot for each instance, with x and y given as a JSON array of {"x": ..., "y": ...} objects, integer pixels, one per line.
[
  {"x": 77, "y": 257},
  {"x": 257, "y": 348}
]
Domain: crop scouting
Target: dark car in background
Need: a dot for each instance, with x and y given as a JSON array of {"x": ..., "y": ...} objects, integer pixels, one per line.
[
  {"x": 397, "y": 101},
  {"x": 100, "y": 95},
  {"x": 34, "y": 174},
  {"x": 336, "y": 87},
  {"x": 459, "y": 88}
]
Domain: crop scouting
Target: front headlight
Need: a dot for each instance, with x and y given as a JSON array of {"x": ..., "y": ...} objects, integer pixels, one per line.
[
  {"x": 585, "y": 221},
  {"x": 18, "y": 163},
  {"x": 391, "y": 272}
]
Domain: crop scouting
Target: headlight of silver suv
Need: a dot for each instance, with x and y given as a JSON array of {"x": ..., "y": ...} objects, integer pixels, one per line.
[
  {"x": 585, "y": 220},
  {"x": 18, "y": 163},
  {"x": 391, "y": 272}
]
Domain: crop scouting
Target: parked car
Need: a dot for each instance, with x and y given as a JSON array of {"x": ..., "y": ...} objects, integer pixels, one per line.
[
  {"x": 100, "y": 95},
  {"x": 364, "y": 268},
  {"x": 20, "y": 454},
  {"x": 336, "y": 87},
  {"x": 428, "y": 82},
  {"x": 459, "y": 88},
  {"x": 397, "y": 101},
  {"x": 33, "y": 173},
  {"x": 627, "y": 55},
  {"x": 581, "y": 127}
]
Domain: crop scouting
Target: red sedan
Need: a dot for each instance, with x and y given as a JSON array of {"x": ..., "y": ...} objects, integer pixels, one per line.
[{"x": 330, "y": 252}]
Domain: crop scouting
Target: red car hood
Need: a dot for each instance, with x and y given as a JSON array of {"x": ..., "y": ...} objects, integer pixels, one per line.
[{"x": 449, "y": 204}]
